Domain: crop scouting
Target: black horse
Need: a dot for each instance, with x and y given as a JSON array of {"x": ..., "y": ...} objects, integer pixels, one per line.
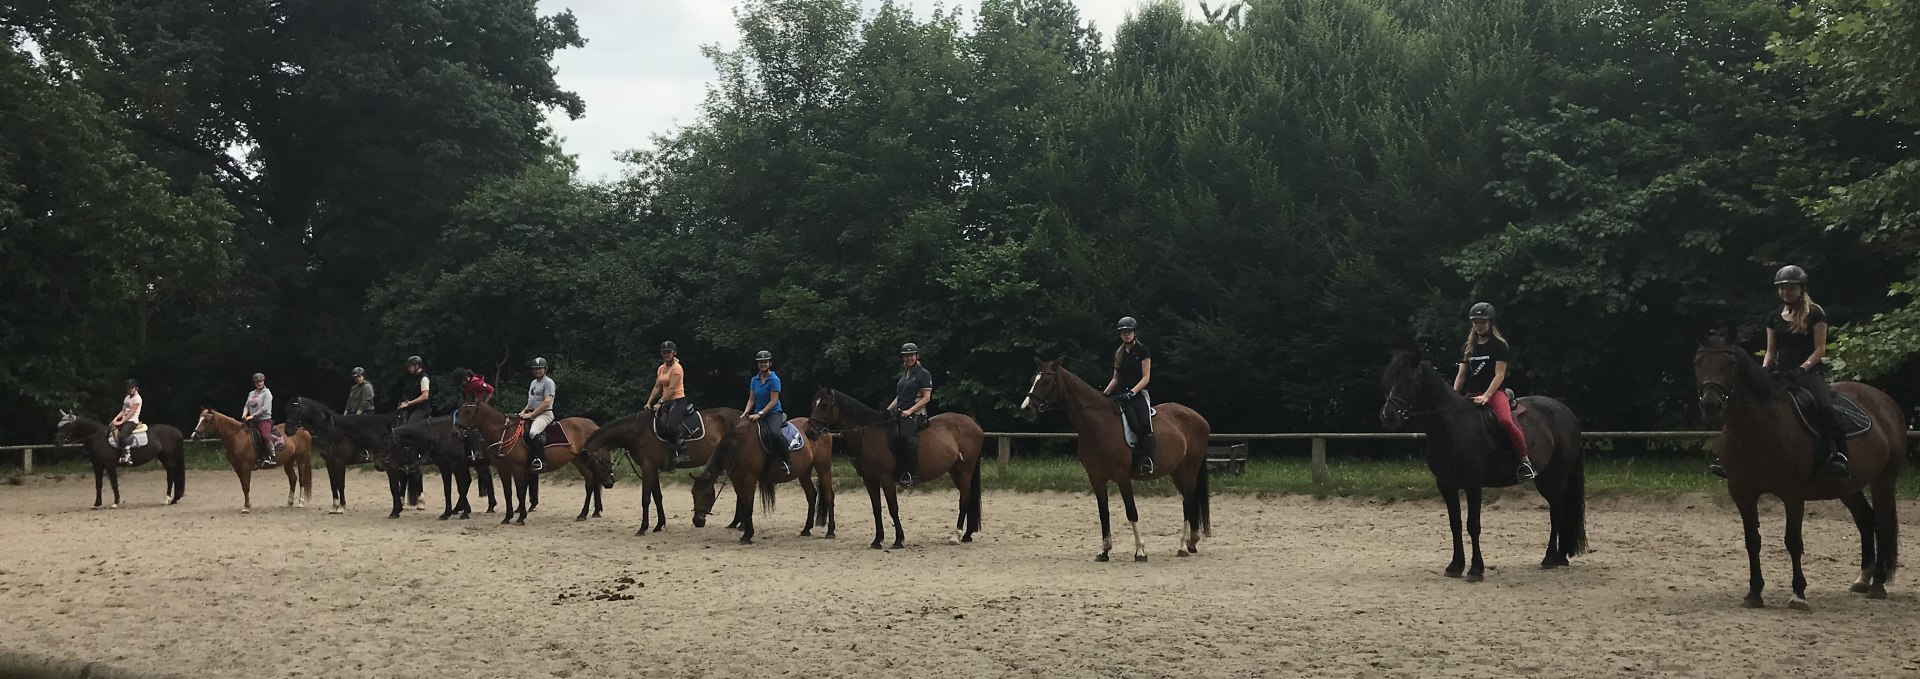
[
  {"x": 339, "y": 439},
  {"x": 1467, "y": 452},
  {"x": 163, "y": 444},
  {"x": 437, "y": 442}
]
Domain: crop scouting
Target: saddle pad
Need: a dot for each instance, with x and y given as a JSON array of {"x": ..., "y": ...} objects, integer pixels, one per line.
[
  {"x": 139, "y": 437},
  {"x": 556, "y": 435},
  {"x": 1854, "y": 421},
  {"x": 795, "y": 440},
  {"x": 695, "y": 426}
]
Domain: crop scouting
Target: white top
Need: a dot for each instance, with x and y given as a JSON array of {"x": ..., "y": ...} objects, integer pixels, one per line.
[{"x": 130, "y": 408}]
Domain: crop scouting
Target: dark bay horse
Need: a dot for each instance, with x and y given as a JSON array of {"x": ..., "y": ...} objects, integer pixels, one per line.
[
  {"x": 1466, "y": 453},
  {"x": 435, "y": 441},
  {"x": 297, "y": 458},
  {"x": 1764, "y": 451},
  {"x": 634, "y": 434},
  {"x": 164, "y": 443},
  {"x": 1181, "y": 454},
  {"x": 746, "y": 460},
  {"x": 508, "y": 451},
  {"x": 340, "y": 440},
  {"x": 949, "y": 445}
]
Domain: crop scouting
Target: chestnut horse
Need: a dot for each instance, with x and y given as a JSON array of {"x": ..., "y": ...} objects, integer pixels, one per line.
[
  {"x": 508, "y": 451},
  {"x": 1465, "y": 453},
  {"x": 1181, "y": 454},
  {"x": 949, "y": 445},
  {"x": 297, "y": 458},
  {"x": 1764, "y": 450},
  {"x": 163, "y": 444},
  {"x": 634, "y": 434},
  {"x": 746, "y": 459}
]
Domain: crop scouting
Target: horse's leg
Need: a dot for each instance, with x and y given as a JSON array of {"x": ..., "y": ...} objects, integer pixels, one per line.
[
  {"x": 463, "y": 475},
  {"x": 1188, "y": 483},
  {"x": 659, "y": 504},
  {"x": 813, "y": 499},
  {"x": 743, "y": 490},
  {"x": 337, "y": 485},
  {"x": 416, "y": 486},
  {"x": 647, "y": 481},
  {"x": 879, "y": 525},
  {"x": 99, "y": 477},
  {"x": 1750, "y": 523},
  {"x": 397, "y": 482},
  {"x": 1478, "y": 570},
  {"x": 446, "y": 493},
  {"x": 506, "y": 497},
  {"x": 1863, "y": 521},
  {"x": 1106, "y": 519},
  {"x": 113, "y": 479},
  {"x": 1133, "y": 518},
  {"x": 893, "y": 510},
  {"x": 293, "y": 479},
  {"x": 1886, "y": 527},
  {"x": 486, "y": 487},
  {"x": 526, "y": 492},
  {"x": 1459, "y": 563},
  {"x": 1796, "y": 512},
  {"x": 246, "y": 489},
  {"x": 826, "y": 497}
]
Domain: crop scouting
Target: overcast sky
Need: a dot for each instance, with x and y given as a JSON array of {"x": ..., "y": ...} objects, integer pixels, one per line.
[{"x": 642, "y": 73}]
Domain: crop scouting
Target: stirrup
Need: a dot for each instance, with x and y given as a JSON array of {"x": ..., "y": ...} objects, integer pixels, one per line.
[
  {"x": 908, "y": 479},
  {"x": 1836, "y": 465},
  {"x": 1145, "y": 466},
  {"x": 1715, "y": 469},
  {"x": 537, "y": 464},
  {"x": 1525, "y": 472}
]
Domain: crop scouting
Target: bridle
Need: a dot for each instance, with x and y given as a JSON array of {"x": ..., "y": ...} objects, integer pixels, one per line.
[
  {"x": 817, "y": 425},
  {"x": 1404, "y": 409},
  {"x": 1716, "y": 387},
  {"x": 1043, "y": 404}
]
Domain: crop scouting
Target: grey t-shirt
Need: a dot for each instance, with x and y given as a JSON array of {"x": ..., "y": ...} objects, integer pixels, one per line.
[
  {"x": 259, "y": 404},
  {"x": 538, "y": 390}
]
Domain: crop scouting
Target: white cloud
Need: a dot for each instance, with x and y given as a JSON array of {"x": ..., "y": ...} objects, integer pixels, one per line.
[{"x": 642, "y": 73}]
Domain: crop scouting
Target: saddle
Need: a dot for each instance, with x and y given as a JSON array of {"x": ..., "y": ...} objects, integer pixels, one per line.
[
  {"x": 1126, "y": 429},
  {"x": 693, "y": 428},
  {"x": 279, "y": 443},
  {"x": 556, "y": 434},
  {"x": 139, "y": 436},
  {"x": 787, "y": 439},
  {"x": 1854, "y": 422}
]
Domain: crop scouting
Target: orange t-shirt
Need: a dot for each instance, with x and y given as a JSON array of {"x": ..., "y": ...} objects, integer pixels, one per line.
[{"x": 666, "y": 374}]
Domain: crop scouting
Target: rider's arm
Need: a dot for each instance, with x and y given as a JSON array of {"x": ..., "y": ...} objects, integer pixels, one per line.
[
  {"x": 1819, "y": 346},
  {"x": 772, "y": 398},
  {"x": 1460, "y": 378},
  {"x": 1499, "y": 377},
  {"x": 748, "y": 408},
  {"x": 921, "y": 403},
  {"x": 546, "y": 404},
  {"x": 674, "y": 379},
  {"x": 1146, "y": 375},
  {"x": 652, "y": 394},
  {"x": 1767, "y": 361},
  {"x": 1112, "y": 382},
  {"x": 425, "y": 393}
]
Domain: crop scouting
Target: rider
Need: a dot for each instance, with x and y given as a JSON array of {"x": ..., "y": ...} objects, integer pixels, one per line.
[
  {"x": 473, "y": 389},
  {"x": 908, "y": 412},
  {"x": 1483, "y": 371},
  {"x": 1796, "y": 345},
  {"x": 668, "y": 401},
  {"x": 763, "y": 406},
  {"x": 128, "y": 420},
  {"x": 360, "y": 397},
  {"x": 415, "y": 392},
  {"x": 538, "y": 413},
  {"x": 258, "y": 413},
  {"x": 1132, "y": 370}
]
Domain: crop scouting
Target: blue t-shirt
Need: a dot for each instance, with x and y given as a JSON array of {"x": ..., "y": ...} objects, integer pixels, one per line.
[{"x": 763, "y": 391}]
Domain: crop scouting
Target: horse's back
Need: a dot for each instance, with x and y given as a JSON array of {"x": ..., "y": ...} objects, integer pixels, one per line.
[
  {"x": 1889, "y": 424},
  {"x": 958, "y": 429},
  {"x": 1194, "y": 430}
]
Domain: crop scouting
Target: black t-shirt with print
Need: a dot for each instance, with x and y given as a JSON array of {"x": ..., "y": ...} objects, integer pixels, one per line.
[
  {"x": 1790, "y": 349},
  {"x": 1480, "y": 364}
]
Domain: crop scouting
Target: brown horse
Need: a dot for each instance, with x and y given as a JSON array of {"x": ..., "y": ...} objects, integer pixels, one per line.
[
  {"x": 949, "y": 445},
  {"x": 508, "y": 451},
  {"x": 1765, "y": 451},
  {"x": 634, "y": 434},
  {"x": 297, "y": 458},
  {"x": 1182, "y": 453},
  {"x": 163, "y": 445},
  {"x": 746, "y": 460}
]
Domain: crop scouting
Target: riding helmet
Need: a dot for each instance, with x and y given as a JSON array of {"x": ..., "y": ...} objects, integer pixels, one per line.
[
  {"x": 909, "y": 349},
  {"x": 1790, "y": 274},
  {"x": 358, "y": 372},
  {"x": 1127, "y": 323},
  {"x": 133, "y": 384},
  {"x": 259, "y": 377},
  {"x": 669, "y": 346},
  {"x": 537, "y": 362},
  {"x": 415, "y": 360},
  {"x": 1481, "y": 310},
  {"x": 763, "y": 356}
]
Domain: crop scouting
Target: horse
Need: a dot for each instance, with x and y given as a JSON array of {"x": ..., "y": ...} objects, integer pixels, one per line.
[
  {"x": 1181, "y": 454},
  {"x": 164, "y": 443},
  {"x": 746, "y": 459},
  {"x": 508, "y": 452},
  {"x": 634, "y": 434},
  {"x": 434, "y": 441},
  {"x": 1467, "y": 453},
  {"x": 340, "y": 440},
  {"x": 949, "y": 445},
  {"x": 1764, "y": 450},
  {"x": 297, "y": 458}
]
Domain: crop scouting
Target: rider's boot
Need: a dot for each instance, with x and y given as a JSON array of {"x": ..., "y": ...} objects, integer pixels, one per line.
[{"x": 1143, "y": 462}]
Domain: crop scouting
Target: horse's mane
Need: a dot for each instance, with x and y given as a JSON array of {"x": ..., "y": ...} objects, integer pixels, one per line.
[
  {"x": 1748, "y": 370},
  {"x": 422, "y": 431},
  {"x": 1406, "y": 363},
  {"x": 87, "y": 423},
  {"x": 860, "y": 413},
  {"x": 624, "y": 426}
]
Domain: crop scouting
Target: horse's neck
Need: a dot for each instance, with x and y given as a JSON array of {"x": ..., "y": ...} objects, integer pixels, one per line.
[
  {"x": 852, "y": 413},
  {"x": 1084, "y": 402},
  {"x": 1753, "y": 385},
  {"x": 231, "y": 431},
  {"x": 1447, "y": 410}
]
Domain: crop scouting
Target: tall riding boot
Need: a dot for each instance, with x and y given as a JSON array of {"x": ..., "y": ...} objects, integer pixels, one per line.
[
  {"x": 263, "y": 456},
  {"x": 1836, "y": 463},
  {"x": 910, "y": 462},
  {"x": 537, "y": 452},
  {"x": 1143, "y": 463},
  {"x": 677, "y": 453}
]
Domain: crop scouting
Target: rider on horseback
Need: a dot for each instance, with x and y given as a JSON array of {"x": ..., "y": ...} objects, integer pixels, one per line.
[
  {"x": 360, "y": 397},
  {"x": 416, "y": 391},
  {"x": 668, "y": 402},
  {"x": 763, "y": 406},
  {"x": 538, "y": 414},
  {"x": 1483, "y": 373},
  {"x": 258, "y": 413},
  {"x": 1132, "y": 370},
  {"x": 908, "y": 413},
  {"x": 127, "y": 421},
  {"x": 473, "y": 389},
  {"x": 1796, "y": 345}
]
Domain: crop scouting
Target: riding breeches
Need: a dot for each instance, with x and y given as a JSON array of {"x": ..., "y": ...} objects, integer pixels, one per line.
[
  {"x": 671, "y": 419},
  {"x": 539, "y": 424},
  {"x": 770, "y": 438},
  {"x": 1139, "y": 412},
  {"x": 125, "y": 434},
  {"x": 1815, "y": 382},
  {"x": 1503, "y": 413},
  {"x": 903, "y": 436}
]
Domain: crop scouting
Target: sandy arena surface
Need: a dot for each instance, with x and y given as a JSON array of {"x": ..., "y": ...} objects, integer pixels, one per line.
[{"x": 1287, "y": 587}]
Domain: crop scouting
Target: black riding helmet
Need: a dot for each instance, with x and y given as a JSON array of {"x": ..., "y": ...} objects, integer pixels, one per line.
[
  {"x": 357, "y": 372},
  {"x": 763, "y": 356},
  {"x": 537, "y": 362},
  {"x": 669, "y": 346},
  {"x": 415, "y": 360},
  {"x": 909, "y": 349},
  {"x": 1790, "y": 274},
  {"x": 133, "y": 384},
  {"x": 1127, "y": 323},
  {"x": 1480, "y": 310}
]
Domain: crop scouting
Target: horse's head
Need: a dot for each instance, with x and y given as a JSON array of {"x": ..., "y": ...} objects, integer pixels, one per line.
[
  {"x": 1401, "y": 383},
  {"x": 301, "y": 415},
  {"x": 705, "y": 493},
  {"x": 826, "y": 411},
  {"x": 1716, "y": 371},
  {"x": 64, "y": 432},
  {"x": 1045, "y": 390},
  {"x": 205, "y": 425},
  {"x": 600, "y": 464}
]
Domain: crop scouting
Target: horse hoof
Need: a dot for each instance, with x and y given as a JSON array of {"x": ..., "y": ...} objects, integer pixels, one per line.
[
  {"x": 444, "y": 517},
  {"x": 1180, "y": 553},
  {"x": 1139, "y": 558},
  {"x": 1753, "y": 602},
  {"x": 968, "y": 538},
  {"x": 746, "y": 540},
  {"x": 1451, "y": 573},
  {"x": 1799, "y": 603},
  {"x": 1102, "y": 558},
  {"x": 1475, "y": 577},
  {"x": 394, "y": 515},
  {"x": 1877, "y": 593},
  {"x": 806, "y": 533},
  {"x": 899, "y": 545},
  {"x": 336, "y": 510},
  {"x": 115, "y": 505},
  {"x": 95, "y": 508},
  {"x": 464, "y": 516},
  {"x": 580, "y": 518},
  {"x": 521, "y": 522},
  {"x": 875, "y": 545}
]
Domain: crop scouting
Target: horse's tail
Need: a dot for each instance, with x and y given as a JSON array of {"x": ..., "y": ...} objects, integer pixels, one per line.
[
  {"x": 1203, "y": 500},
  {"x": 973, "y": 497},
  {"x": 1573, "y": 519},
  {"x": 766, "y": 491}
]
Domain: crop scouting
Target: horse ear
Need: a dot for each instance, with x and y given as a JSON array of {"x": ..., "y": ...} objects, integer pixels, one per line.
[{"x": 1060, "y": 360}]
